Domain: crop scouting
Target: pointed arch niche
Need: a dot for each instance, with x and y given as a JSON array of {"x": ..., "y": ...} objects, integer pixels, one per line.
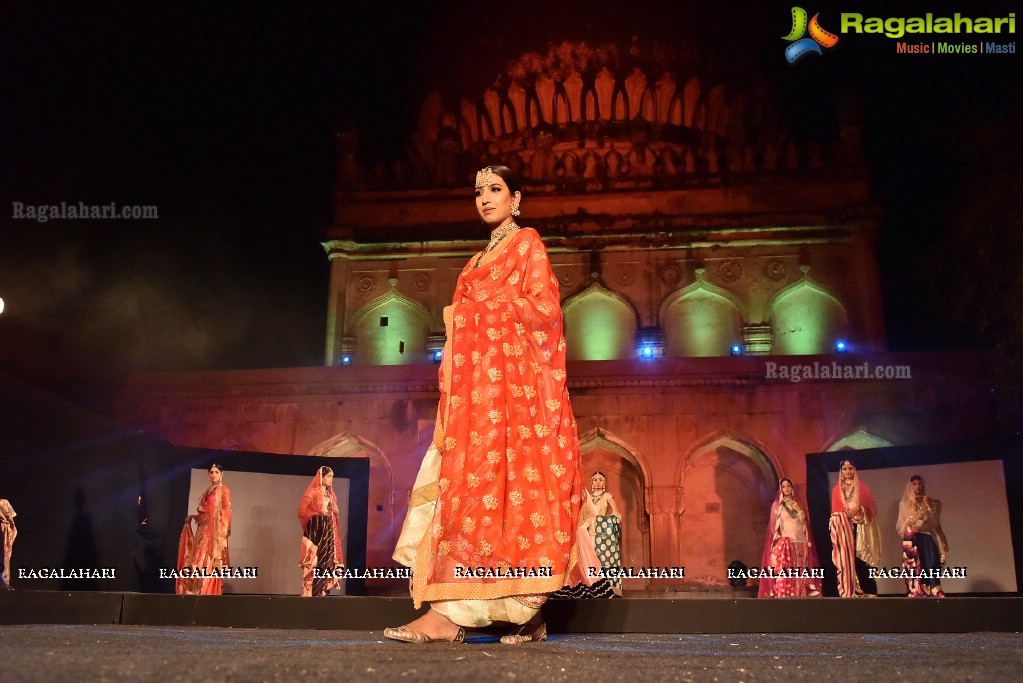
[
  {"x": 381, "y": 529},
  {"x": 701, "y": 320},
  {"x": 600, "y": 325},
  {"x": 391, "y": 330},
  {"x": 806, "y": 319},
  {"x": 727, "y": 489},
  {"x": 859, "y": 439},
  {"x": 627, "y": 482}
]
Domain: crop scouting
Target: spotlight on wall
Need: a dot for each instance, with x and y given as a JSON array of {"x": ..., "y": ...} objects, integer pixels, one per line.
[
  {"x": 841, "y": 346},
  {"x": 736, "y": 349},
  {"x": 646, "y": 352},
  {"x": 346, "y": 360}
]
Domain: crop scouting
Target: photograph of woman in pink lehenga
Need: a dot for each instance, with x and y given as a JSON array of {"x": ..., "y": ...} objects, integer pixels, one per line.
[
  {"x": 205, "y": 549},
  {"x": 788, "y": 549},
  {"x": 321, "y": 553}
]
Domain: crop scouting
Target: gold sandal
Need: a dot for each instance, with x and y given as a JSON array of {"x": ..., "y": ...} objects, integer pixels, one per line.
[
  {"x": 520, "y": 637},
  {"x": 405, "y": 634}
]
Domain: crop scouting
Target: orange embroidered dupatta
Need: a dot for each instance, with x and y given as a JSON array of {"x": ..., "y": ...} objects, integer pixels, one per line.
[{"x": 508, "y": 487}]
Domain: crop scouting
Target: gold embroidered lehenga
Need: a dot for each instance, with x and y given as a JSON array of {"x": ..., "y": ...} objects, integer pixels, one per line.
[
  {"x": 498, "y": 492},
  {"x": 205, "y": 549}
]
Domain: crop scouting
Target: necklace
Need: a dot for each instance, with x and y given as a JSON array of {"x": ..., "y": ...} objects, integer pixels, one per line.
[
  {"x": 848, "y": 490},
  {"x": 495, "y": 238}
]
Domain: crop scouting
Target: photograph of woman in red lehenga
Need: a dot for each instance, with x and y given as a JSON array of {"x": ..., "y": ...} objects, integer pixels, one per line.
[
  {"x": 788, "y": 549},
  {"x": 205, "y": 549},
  {"x": 321, "y": 552},
  {"x": 491, "y": 527},
  {"x": 855, "y": 540}
]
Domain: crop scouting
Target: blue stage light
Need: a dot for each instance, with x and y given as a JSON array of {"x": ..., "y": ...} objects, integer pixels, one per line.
[
  {"x": 646, "y": 352},
  {"x": 736, "y": 349},
  {"x": 346, "y": 360},
  {"x": 438, "y": 355},
  {"x": 841, "y": 346}
]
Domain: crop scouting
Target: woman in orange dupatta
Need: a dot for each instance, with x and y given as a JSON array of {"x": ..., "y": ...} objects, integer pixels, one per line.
[
  {"x": 491, "y": 527},
  {"x": 321, "y": 543},
  {"x": 205, "y": 550}
]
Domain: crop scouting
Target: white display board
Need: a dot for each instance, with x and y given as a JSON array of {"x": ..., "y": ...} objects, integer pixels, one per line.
[
  {"x": 265, "y": 531},
  {"x": 975, "y": 518}
]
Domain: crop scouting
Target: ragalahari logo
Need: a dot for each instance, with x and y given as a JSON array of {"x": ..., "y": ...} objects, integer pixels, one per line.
[{"x": 801, "y": 46}]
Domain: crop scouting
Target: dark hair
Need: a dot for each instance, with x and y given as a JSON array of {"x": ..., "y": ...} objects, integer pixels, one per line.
[
  {"x": 786, "y": 479},
  {"x": 917, "y": 477},
  {"x": 512, "y": 179},
  {"x": 324, "y": 471},
  {"x": 217, "y": 465},
  {"x": 600, "y": 473}
]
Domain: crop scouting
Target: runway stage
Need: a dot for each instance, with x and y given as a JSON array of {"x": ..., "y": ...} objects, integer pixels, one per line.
[
  {"x": 165, "y": 654},
  {"x": 629, "y": 615}
]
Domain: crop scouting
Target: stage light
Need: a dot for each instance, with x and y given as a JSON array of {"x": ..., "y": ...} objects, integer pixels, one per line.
[
  {"x": 736, "y": 349},
  {"x": 438, "y": 355},
  {"x": 841, "y": 346},
  {"x": 346, "y": 360},
  {"x": 1, "y": 304},
  {"x": 646, "y": 352}
]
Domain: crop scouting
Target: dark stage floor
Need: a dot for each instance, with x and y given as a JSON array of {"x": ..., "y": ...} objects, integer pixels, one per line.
[
  {"x": 694, "y": 616},
  {"x": 146, "y": 653}
]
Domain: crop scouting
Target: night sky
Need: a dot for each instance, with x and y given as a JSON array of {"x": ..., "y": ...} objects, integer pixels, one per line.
[{"x": 223, "y": 117}]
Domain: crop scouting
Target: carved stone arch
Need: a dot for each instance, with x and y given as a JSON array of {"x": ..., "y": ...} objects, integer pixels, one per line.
[
  {"x": 604, "y": 86},
  {"x": 382, "y": 528},
  {"x": 676, "y": 108},
  {"x": 628, "y": 479},
  {"x": 492, "y": 104},
  {"x": 508, "y": 117},
  {"x": 664, "y": 89},
  {"x": 648, "y": 105},
  {"x": 562, "y": 109},
  {"x": 806, "y": 318},
  {"x": 517, "y": 101},
  {"x": 545, "y": 89},
  {"x": 391, "y": 342},
  {"x": 701, "y": 320},
  {"x": 534, "y": 109},
  {"x": 573, "y": 87},
  {"x": 747, "y": 447},
  {"x": 599, "y": 436},
  {"x": 600, "y": 324},
  {"x": 859, "y": 439},
  {"x": 620, "y": 105},
  {"x": 486, "y": 123},
  {"x": 635, "y": 87},
  {"x": 727, "y": 486},
  {"x": 589, "y": 107}
]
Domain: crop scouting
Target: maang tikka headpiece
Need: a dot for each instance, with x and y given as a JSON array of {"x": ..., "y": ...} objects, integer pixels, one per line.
[{"x": 484, "y": 176}]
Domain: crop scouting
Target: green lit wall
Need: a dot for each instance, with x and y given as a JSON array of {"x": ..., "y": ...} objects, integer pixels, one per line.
[
  {"x": 400, "y": 341},
  {"x": 599, "y": 326},
  {"x": 806, "y": 321},
  {"x": 701, "y": 323}
]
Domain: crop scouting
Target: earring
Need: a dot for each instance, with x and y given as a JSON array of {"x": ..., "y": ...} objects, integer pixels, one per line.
[{"x": 515, "y": 209}]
